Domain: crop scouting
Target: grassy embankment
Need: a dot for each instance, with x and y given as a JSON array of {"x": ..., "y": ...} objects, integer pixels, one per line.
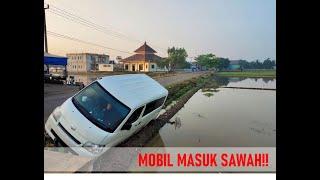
[
  {"x": 176, "y": 91},
  {"x": 253, "y": 74}
]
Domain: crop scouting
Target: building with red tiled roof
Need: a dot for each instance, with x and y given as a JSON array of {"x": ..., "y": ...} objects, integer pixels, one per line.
[{"x": 145, "y": 60}]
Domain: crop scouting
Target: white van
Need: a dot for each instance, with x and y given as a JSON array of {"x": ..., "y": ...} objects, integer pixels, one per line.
[{"x": 106, "y": 112}]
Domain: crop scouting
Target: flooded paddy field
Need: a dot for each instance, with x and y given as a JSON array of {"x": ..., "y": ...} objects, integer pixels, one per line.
[{"x": 224, "y": 117}]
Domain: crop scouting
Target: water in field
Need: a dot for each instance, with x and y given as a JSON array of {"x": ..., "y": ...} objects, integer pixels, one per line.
[{"x": 225, "y": 117}]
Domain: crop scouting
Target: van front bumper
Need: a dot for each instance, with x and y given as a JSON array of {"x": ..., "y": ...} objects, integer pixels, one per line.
[{"x": 53, "y": 130}]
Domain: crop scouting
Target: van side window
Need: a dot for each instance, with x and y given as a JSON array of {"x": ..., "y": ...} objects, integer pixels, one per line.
[
  {"x": 135, "y": 115},
  {"x": 153, "y": 105}
]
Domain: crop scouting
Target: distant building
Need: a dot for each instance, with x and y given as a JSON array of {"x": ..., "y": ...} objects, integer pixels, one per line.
[
  {"x": 55, "y": 66},
  {"x": 105, "y": 67},
  {"x": 195, "y": 66},
  {"x": 234, "y": 65},
  {"x": 116, "y": 65},
  {"x": 85, "y": 62},
  {"x": 144, "y": 60},
  {"x": 118, "y": 58}
]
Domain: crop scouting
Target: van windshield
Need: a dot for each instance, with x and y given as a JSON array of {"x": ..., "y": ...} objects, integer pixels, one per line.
[{"x": 100, "y": 107}]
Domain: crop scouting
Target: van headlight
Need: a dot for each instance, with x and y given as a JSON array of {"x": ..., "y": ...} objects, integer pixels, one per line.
[
  {"x": 56, "y": 114},
  {"x": 93, "y": 148}
]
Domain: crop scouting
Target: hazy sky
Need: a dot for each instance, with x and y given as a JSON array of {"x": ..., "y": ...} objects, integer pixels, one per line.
[{"x": 236, "y": 29}]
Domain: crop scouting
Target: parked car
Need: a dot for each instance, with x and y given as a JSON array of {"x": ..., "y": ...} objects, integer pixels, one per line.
[
  {"x": 56, "y": 78},
  {"x": 106, "y": 112}
]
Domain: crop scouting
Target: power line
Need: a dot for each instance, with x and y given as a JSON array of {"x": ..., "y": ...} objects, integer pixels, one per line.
[
  {"x": 82, "y": 41},
  {"x": 68, "y": 17},
  {"x": 94, "y": 24},
  {"x": 77, "y": 19},
  {"x": 81, "y": 23}
]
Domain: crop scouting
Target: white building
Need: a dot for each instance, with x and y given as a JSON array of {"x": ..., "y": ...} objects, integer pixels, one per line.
[
  {"x": 85, "y": 62},
  {"x": 105, "y": 67}
]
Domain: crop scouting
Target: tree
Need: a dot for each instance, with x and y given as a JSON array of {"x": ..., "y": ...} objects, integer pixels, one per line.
[
  {"x": 244, "y": 64},
  {"x": 256, "y": 65},
  {"x": 208, "y": 60},
  {"x": 268, "y": 64},
  {"x": 163, "y": 63},
  {"x": 177, "y": 57},
  {"x": 186, "y": 65},
  {"x": 223, "y": 63}
]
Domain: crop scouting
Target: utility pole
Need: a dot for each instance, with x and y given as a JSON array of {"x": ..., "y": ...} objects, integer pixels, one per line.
[{"x": 45, "y": 29}]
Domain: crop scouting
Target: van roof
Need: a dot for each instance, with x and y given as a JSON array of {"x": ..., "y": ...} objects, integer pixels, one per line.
[{"x": 133, "y": 90}]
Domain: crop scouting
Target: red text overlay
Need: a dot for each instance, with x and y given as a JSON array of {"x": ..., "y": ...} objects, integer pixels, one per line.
[{"x": 203, "y": 160}]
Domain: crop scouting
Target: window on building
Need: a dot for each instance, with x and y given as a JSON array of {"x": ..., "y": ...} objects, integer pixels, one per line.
[
  {"x": 153, "y": 105},
  {"x": 126, "y": 66},
  {"x": 146, "y": 66},
  {"x": 152, "y": 66}
]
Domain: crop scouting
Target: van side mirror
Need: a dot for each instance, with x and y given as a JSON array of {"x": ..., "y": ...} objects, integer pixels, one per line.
[{"x": 126, "y": 126}]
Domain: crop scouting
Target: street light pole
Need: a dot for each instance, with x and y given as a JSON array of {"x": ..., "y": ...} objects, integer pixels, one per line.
[
  {"x": 45, "y": 29},
  {"x": 45, "y": 35}
]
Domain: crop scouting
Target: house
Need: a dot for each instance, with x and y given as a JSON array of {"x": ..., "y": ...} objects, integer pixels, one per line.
[
  {"x": 144, "y": 60},
  {"x": 85, "y": 62},
  {"x": 234, "y": 65}
]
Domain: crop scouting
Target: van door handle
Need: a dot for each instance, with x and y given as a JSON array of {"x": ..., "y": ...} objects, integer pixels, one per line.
[{"x": 138, "y": 123}]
